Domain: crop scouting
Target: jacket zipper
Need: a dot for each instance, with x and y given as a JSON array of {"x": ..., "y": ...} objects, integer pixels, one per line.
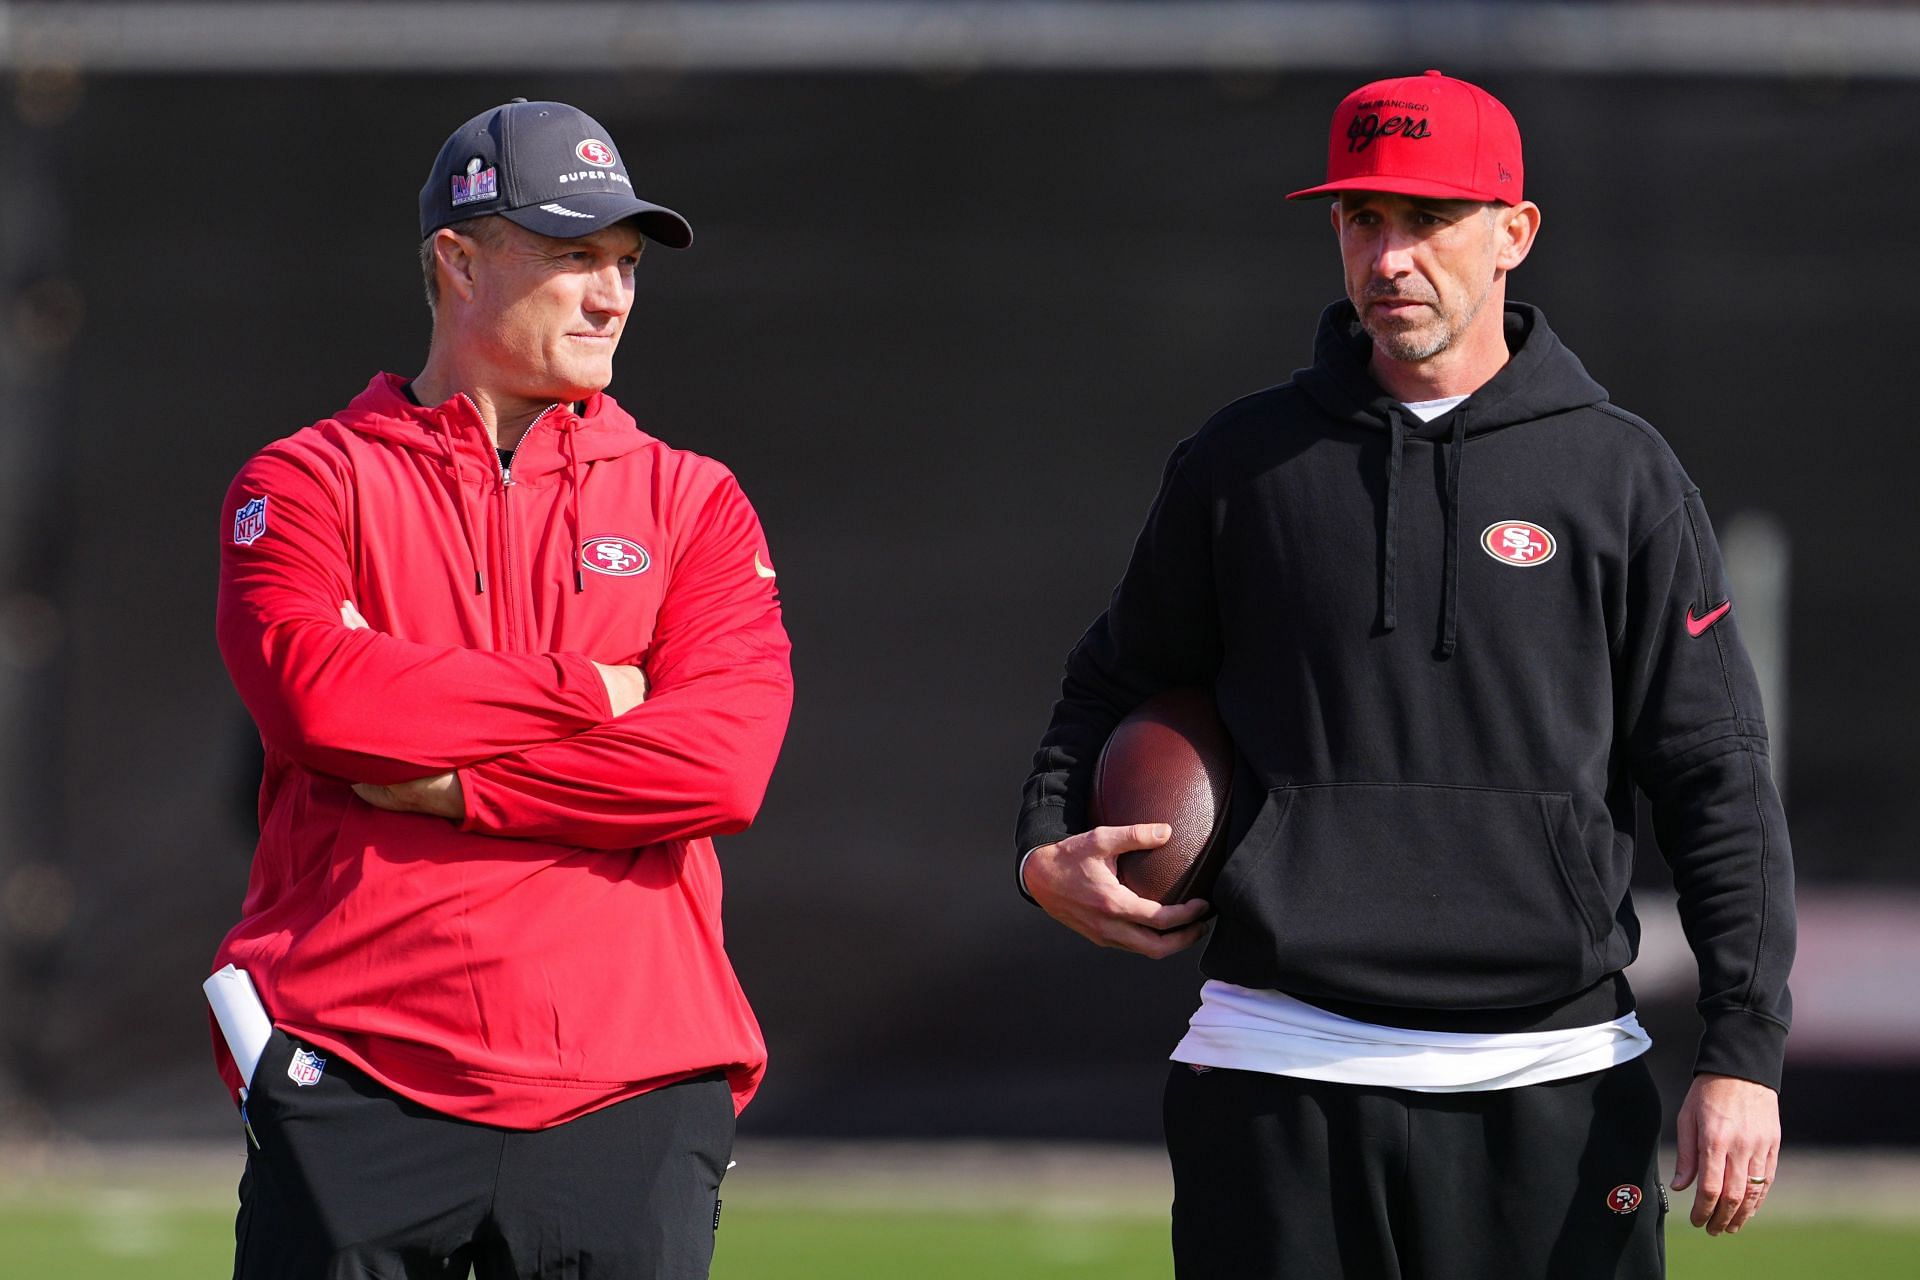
[{"x": 510, "y": 586}]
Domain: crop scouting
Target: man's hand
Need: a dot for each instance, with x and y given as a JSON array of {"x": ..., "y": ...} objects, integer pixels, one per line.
[
  {"x": 351, "y": 616},
  {"x": 626, "y": 687},
  {"x": 1074, "y": 881},
  {"x": 441, "y": 796},
  {"x": 1729, "y": 1136}
]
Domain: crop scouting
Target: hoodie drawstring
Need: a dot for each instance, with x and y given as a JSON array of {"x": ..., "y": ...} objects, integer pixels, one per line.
[
  {"x": 573, "y": 501},
  {"x": 460, "y": 501},
  {"x": 1390, "y": 533},
  {"x": 1450, "y": 590}
]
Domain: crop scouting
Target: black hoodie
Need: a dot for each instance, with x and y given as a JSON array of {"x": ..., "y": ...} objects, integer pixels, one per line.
[{"x": 1447, "y": 653}]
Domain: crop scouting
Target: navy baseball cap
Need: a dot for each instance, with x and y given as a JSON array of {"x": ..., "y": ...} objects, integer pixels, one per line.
[{"x": 549, "y": 167}]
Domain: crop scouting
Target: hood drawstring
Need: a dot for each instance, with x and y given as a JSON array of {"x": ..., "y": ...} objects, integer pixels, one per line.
[
  {"x": 1450, "y": 590},
  {"x": 573, "y": 500},
  {"x": 460, "y": 501},
  {"x": 1390, "y": 531}
]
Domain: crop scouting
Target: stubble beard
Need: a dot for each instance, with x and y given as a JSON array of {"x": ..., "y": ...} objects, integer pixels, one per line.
[{"x": 1417, "y": 342}]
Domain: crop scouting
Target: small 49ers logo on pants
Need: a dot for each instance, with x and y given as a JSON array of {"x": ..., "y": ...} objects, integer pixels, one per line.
[{"x": 1624, "y": 1198}]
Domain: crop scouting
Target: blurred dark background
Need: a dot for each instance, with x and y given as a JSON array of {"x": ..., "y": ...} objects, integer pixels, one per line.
[{"x": 945, "y": 322}]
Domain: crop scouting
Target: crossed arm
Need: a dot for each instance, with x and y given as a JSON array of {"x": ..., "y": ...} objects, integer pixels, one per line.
[
  {"x": 441, "y": 795},
  {"x": 553, "y": 747}
]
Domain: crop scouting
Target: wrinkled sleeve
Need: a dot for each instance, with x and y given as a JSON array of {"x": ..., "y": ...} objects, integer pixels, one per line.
[
  {"x": 695, "y": 758},
  {"x": 1160, "y": 629},
  {"x": 1697, "y": 743},
  {"x": 359, "y": 704}
]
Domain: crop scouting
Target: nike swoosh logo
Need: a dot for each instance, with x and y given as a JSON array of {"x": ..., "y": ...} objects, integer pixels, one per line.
[
  {"x": 761, "y": 568},
  {"x": 1697, "y": 627}
]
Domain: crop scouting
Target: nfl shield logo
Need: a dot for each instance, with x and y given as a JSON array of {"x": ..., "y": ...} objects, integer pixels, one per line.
[
  {"x": 250, "y": 522},
  {"x": 306, "y": 1067}
]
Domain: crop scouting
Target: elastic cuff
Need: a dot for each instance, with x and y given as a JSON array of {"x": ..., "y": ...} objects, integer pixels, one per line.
[
  {"x": 1045, "y": 823},
  {"x": 470, "y": 813},
  {"x": 1020, "y": 876},
  {"x": 578, "y": 671},
  {"x": 1751, "y": 1046}
]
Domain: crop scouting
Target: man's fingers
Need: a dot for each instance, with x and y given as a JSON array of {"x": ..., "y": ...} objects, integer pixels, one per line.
[
  {"x": 1715, "y": 1199},
  {"x": 1707, "y": 1195},
  {"x": 351, "y": 616},
  {"x": 1761, "y": 1165},
  {"x": 1733, "y": 1196},
  {"x": 1688, "y": 1163},
  {"x": 1113, "y": 841},
  {"x": 1152, "y": 943},
  {"x": 1124, "y": 904},
  {"x": 1756, "y": 1195},
  {"x": 1175, "y": 915}
]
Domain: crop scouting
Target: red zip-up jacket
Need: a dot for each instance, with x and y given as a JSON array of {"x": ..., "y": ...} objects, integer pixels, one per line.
[{"x": 559, "y": 949}]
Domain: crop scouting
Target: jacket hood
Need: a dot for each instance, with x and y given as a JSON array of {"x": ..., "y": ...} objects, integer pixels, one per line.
[
  {"x": 559, "y": 441},
  {"x": 601, "y": 430},
  {"x": 1541, "y": 377}
]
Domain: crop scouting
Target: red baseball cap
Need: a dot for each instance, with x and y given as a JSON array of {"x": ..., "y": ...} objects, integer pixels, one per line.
[{"x": 1427, "y": 135}]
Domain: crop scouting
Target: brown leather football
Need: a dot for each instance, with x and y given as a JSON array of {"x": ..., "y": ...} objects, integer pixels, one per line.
[{"x": 1169, "y": 761}]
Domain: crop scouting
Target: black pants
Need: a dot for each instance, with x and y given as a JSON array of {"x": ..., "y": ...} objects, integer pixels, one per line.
[
  {"x": 350, "y": 1179},
  {"x": 1277, "y": 1177}
]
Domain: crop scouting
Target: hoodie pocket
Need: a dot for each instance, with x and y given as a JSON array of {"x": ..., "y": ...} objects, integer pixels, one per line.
[{"x": 1412, "y": 895}]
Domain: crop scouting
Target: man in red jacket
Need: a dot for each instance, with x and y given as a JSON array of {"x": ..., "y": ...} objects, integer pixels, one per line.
[{"x": 514, "y": 663}]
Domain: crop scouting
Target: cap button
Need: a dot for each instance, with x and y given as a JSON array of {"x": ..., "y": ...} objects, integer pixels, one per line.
[{"x": 1430, "y": 72}]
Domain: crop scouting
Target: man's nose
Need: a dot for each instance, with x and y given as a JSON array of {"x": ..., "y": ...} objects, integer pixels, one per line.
[
  {"x": 609, "y": 292},
  {"x": 1393, "y": 256}
]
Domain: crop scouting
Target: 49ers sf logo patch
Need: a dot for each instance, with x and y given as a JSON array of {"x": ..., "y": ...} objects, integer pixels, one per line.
[
  {"x": 1518, "y": 543},
  {"x": 617, "y": 557},
  {"x": 1624, "y": 1198}
]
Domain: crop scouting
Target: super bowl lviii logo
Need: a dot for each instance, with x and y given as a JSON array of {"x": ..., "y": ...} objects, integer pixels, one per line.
[
  {"x": 1519, "y": 543},
  {"x": 481, "y": 181}
]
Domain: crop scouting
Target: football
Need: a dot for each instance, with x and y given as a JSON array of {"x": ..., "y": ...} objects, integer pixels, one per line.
[{"x": 1169, "y": 761}]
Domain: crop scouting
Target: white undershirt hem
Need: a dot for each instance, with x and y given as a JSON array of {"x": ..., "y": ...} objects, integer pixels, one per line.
[{"x": 1246, "y": 1029}]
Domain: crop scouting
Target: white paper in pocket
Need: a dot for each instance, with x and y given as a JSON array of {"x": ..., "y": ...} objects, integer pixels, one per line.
[{"x": 243, "y": 1019}]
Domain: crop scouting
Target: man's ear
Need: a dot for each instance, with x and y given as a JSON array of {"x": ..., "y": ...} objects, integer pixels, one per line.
[
  {"x": 1516, "y": 231},
  {"x": 458, "y": 266}
]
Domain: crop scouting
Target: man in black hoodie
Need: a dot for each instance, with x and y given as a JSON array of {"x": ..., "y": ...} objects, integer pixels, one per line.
[{"x": 1455, "y": 608}]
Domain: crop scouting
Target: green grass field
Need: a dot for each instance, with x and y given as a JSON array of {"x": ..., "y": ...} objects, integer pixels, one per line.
[{"x": 128, "y": 1235}]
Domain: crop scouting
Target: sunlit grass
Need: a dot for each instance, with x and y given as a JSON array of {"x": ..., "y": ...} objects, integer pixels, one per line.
[{"x": 79, "y": 1236}]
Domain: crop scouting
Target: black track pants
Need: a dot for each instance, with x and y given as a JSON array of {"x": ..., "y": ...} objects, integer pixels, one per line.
[
  {"x": 1277, "y": 1178},
  {"x": 352, "y": 1180}
]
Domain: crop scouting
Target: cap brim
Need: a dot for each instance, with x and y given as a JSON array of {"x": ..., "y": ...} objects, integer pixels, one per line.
[
  {"x": 1393, "y": 184},
  {"x": 573, "y": 216}
]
